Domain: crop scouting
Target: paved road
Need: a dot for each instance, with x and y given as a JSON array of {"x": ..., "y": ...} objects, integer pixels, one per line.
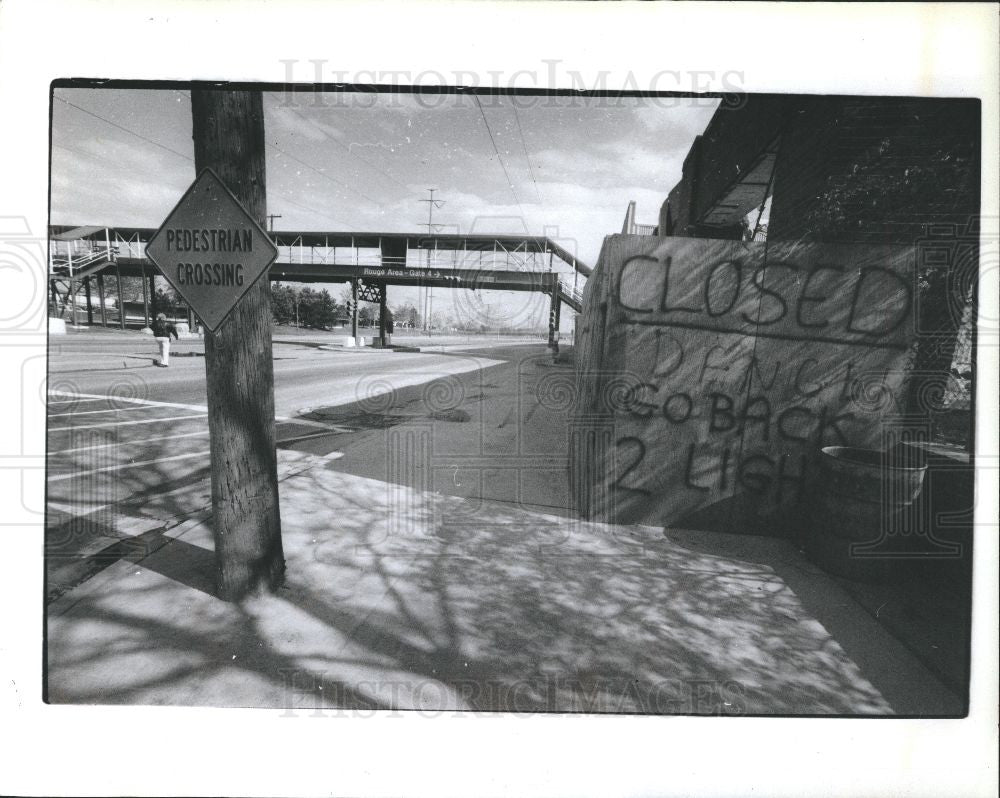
[
  {"x": 126, "y": 437},
  {"x": 307, "y": 373}
]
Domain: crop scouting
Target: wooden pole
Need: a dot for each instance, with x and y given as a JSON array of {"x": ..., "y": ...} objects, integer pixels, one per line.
[{"x": 228, "y": 129}]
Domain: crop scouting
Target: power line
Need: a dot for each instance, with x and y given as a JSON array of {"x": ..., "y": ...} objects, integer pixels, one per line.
[
  {"x": 313, "y": 211},
  {"x": 347, "y": 149},
  {"x": 510, "y": 185},
  {"x": 131, "y": 132},
  {"x": 527, "y": 158},
  {"x": 322, "y": 174},
  {"x": 191, "y": 160}
]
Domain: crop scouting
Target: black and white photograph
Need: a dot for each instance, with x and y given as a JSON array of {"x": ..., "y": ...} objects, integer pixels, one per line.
[
  {"x": 570, "y": 444},
  {"x": 363, "y": 396}
]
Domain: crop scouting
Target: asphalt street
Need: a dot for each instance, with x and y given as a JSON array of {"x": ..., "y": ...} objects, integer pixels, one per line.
[
  {"x": 126, "y": 438},
  {"x": 421, "y": 494}
]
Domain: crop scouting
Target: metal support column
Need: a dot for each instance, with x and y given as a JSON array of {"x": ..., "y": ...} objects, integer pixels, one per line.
[
  {"x": 383, "y": 340},
  {"x": 100, "y": 298},
  {"x": 430, "y": 299},
  {"x": 121, "y": 297},
  {"x": 553, "y": 319},
  {"x": 145, "y": 297},
  {"x": 354, "y": 310},
  {"x": 90, "y": 305},
  {"x": 72, "y": 288}
]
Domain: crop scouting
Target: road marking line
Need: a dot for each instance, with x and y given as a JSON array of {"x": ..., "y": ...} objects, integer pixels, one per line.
[
  {"x": 75, "y": 401},
  {"x": 140, "y": 441},
  {"x": 122, "y": 423},
  {"x": 129, "y": 400},
  {"x": 197, "y": 408},
  {"x": 307, "y": 422},
  {"x": 129, "y": 443},
  {"x": 306, "y": 437},
  {"x": 124, "y": 466},
  {"x": 106, "y": 410}
]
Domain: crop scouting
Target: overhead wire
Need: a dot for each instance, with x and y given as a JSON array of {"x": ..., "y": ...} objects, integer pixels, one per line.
[
  {"x": 527, "y": 158},
  {"x": 191, "y": 160},
  {"x": 323, "y": 174},
  {"x": 130, "y": 132},
  {"x": 510, "y": 185},
  {"x": 346, "y": 148}
]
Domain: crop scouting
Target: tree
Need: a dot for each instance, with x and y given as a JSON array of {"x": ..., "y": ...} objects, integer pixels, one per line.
[
  {"x": 406, "y": 315},
  {"x": 168, "y": 301},
  {"x": 282, "y": 303},
  {"x": 317, "y": 309}
]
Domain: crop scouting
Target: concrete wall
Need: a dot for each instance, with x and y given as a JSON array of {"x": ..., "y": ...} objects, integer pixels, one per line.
[{"x": 707, "y": 382}]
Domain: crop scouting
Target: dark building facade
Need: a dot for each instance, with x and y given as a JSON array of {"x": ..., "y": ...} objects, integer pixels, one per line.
[{"x": 897, "y": 170}]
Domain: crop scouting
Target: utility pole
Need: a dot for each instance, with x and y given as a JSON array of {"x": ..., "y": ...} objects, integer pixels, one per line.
[
  {"x": 431, "y": 228},
  {"x": 228, "y": 132},
  {"x": 270, "y": 221}
]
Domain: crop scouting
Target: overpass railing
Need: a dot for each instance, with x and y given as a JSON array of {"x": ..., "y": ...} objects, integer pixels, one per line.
[{"x": 130, "y": 244}]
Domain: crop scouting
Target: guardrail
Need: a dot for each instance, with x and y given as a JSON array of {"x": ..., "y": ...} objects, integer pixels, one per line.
[{"x": 61, "y": 264}]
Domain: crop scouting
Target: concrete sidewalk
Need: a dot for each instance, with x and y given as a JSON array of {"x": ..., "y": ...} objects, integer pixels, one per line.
[{"x": 403, "y": 593}]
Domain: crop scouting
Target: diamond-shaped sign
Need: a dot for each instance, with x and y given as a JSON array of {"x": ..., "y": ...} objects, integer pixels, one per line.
[{"x": 210, "y": 249}]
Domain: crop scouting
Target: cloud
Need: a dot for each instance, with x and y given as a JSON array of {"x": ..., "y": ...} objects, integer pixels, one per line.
[{"x": 364, "y": 162}]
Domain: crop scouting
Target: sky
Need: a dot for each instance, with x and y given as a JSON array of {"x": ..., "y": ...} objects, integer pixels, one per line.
[{"x": 567, "y": 167}]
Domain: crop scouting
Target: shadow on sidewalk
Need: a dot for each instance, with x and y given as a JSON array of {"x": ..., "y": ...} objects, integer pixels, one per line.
[{"x": 482, "y": 608}]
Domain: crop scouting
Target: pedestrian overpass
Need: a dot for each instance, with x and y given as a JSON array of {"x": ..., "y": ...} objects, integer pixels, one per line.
[{"x": 368, "y": 262}]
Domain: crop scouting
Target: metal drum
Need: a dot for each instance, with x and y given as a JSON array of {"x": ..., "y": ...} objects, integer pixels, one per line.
[{"x": 861, "y": 503}]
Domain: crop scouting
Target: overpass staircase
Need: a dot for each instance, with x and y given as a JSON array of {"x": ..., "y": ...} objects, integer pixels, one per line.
[
  {"x": 570, "y": 296},
  {"x": 69, "y": 269}
]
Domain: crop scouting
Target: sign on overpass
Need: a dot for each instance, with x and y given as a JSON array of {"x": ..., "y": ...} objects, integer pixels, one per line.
[
  {"x": 446, "y": 277},
  {"x": 211, "y": 250}
]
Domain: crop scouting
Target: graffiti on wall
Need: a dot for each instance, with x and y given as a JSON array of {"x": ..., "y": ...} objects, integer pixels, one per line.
[{"x": 719, "y": 369}]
